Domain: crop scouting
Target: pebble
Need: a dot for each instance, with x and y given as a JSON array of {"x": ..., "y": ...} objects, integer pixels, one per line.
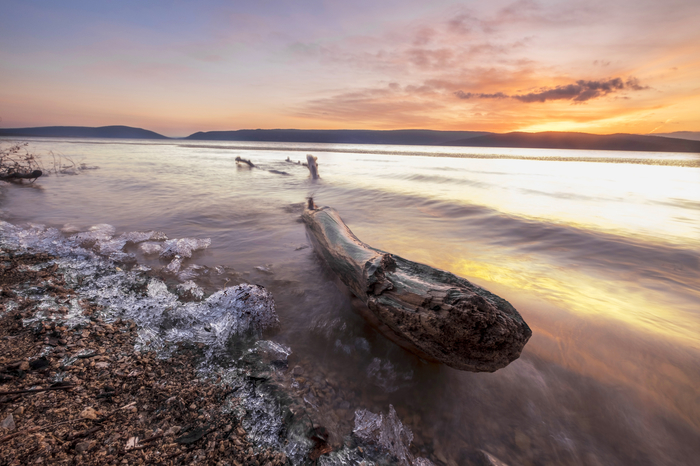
[
  {"x": 8, "y": 423},
  {"x": 82, "y": 447}
]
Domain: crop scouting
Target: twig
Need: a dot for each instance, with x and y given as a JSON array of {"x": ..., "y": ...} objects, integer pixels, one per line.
[
  {"x": 155, "y": 437},
  {"x": 36, "y": 429},
  {"x": 84, "y": 433},
  {"x": 37, "y": 390}
]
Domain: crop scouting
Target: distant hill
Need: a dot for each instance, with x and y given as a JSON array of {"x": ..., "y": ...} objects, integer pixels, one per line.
[
  {"x": 692, "y": 135},
  {"x": 342, "y": 136},
  {"x": 548, "y": 140},
  {"x": 561, "y": 140},
  {"x": 116, "y": 132}
]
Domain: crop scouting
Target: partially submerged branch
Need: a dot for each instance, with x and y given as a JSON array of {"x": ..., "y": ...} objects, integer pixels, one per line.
[
  {"x": 312, "y": 165},
  {"x": 246, "y": 161},
  {"x": 430, "y": 312},
  {"x": 21, "y": 176},
  {"x": 17, "y": 164}
]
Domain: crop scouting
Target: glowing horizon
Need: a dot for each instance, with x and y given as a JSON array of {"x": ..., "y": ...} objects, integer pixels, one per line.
[{"x": 177, "y": 68}]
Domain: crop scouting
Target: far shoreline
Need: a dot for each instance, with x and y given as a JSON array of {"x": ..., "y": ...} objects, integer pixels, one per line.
[{"x": 521, "y": 140}]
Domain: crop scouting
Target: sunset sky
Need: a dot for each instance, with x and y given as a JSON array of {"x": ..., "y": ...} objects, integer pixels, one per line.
[{"x": 177, "y": 67}]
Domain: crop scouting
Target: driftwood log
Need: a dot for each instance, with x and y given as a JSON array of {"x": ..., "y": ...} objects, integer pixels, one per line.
[
  {"x": 21, "y": 176},
  {"x": 432, "y": 313}
]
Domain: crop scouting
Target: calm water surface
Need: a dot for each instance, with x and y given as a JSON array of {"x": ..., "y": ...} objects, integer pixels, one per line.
[{"x": 599, "y": 251}]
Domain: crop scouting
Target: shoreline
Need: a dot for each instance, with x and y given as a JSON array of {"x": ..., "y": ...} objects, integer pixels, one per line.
[{"x": 87, "y": 376}]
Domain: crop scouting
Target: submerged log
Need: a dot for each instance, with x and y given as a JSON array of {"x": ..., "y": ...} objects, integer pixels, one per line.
[
  {"x": 21, "y": 176},
  {"x": 432, "y": 313}
]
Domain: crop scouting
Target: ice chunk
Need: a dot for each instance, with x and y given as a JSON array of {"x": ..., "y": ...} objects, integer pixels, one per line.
[
  {"x": 110, "y": 246},
  {"x": 192, "y": 271},
  {"x": 141, "y": 236},
  {"x": 422, "y": 462},
  {"x": 266, "y": 269},
  {"x": 183, "y": 247},
  {"x": 149, "y": 248},
  {"x": 385, "y": 432},
  {"x": 190, "y": 290},
  {"x": 273, "y": 353},
  {"x": 70, "y": 228},
  {"x": 174, "y": 266},
  {"x": 100, "y": 232}
]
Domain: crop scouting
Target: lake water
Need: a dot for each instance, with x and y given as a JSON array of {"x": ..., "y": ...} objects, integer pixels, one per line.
[{"x": 599, "y": 252}]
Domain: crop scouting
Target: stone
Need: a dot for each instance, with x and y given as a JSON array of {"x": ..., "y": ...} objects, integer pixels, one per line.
[
  {"x": 89, "y": 413},
  {"x": 82, "y": 447},
  {"x": 8, "y": 423}
]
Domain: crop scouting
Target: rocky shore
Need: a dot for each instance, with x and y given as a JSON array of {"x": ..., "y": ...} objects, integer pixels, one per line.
[
  {"x": 101, "y": 363},
  {"x": 83, "y": 395}
]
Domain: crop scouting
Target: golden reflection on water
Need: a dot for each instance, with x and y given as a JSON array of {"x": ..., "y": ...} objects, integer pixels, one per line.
[
  {"x": 613, "y": 330},
  {"x": 588, "y": 296},
  {"x": 601, "y": 330}
]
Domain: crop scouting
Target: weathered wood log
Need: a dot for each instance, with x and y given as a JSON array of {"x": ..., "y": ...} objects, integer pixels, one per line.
[
  {"x": 21, "y": 176},
  {"x": 430, "y": 312},
  {"x": 312, "y": 165}
]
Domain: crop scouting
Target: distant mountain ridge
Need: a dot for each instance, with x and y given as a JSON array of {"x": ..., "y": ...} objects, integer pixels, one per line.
[
  {"x": 693, "y": 135},
  {"x": 340, "y": 136},
  {"x": 544, "y": 140},
  {"x": 565, "y": 140},
  {"x": 108, "y": 132}
]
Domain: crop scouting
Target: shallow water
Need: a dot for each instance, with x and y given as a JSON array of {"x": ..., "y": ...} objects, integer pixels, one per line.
[{"x": 601, "y": 257}]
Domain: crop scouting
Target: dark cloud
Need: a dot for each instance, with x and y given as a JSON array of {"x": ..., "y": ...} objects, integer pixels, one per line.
[
  {"x": 480, "y": 95},
  {"x": 580, "y": 91}
]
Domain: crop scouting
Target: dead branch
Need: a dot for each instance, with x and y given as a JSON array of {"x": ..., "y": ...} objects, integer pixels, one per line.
[{"x": 241, "y": 160}]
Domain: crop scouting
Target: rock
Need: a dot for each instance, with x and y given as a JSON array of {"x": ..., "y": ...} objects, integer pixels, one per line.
[
  {"x": 82, "y": 447},
  {"x": 89, "y": 413},
  {"x": 24, "y": 366},
  {"x": 39, "y": 363},
  {"x": 131, "y": 443},
  {"x": 8, "y": 423}
]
